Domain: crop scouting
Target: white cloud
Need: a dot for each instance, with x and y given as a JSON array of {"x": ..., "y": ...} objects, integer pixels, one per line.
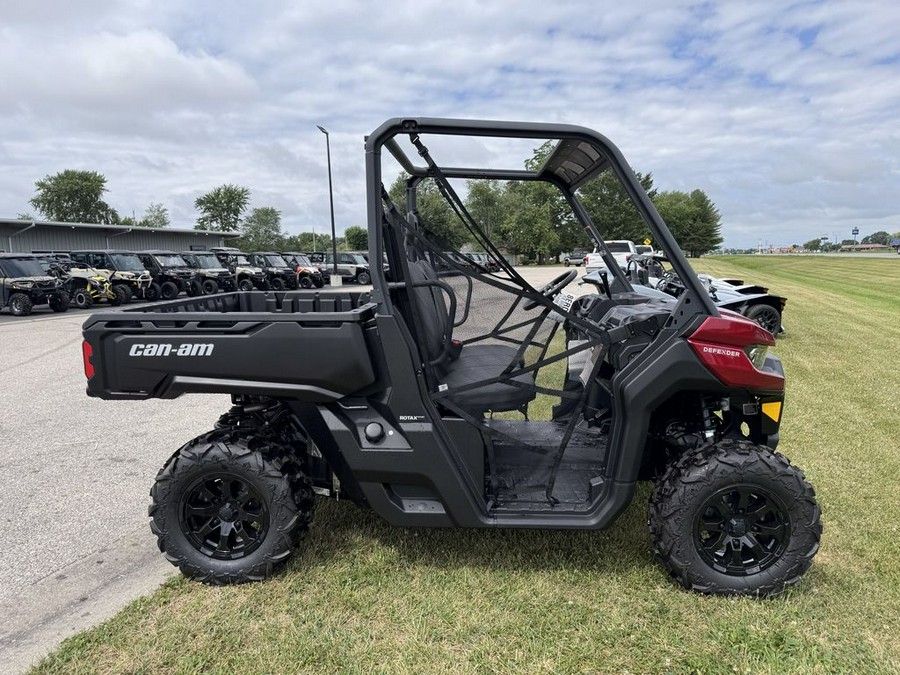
[{"x": 783, "y": 113}]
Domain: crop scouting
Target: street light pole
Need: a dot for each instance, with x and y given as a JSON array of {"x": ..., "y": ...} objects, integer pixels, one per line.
[{"x": 334, "y": 271}]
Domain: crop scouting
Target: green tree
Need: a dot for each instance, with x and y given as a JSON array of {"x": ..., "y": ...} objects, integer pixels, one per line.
[
  {"x": 307, "y": 242},
  {"x": 693, "y": 220},
  {"x": 880, "y": 237},
  {"x": 531, "y": 223},
  {"x": 440, "y": 223},
  {"x": 24, "y": 216},
  {"x": 261, "y": 230},
  {"x": 156, "y": 215},
  {"x": 221, "y": 208},
  {"x": 813, "y": 244},
  {"x": 485, "y": 201},
  {"x": 612, "y": 210},
  {"x": 73, "y": 196},
  {"x": 356, "y": 238}
]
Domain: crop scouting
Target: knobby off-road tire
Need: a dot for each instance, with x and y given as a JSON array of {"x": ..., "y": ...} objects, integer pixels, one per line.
[
  {"x": 277, "y": 284},
  {"x": 168, "y": 290},
  {"x": 125, "y": 292},
  {"x": 210, "y": 287},
  {"x": 20, "y": 304},
  {"x": 195, "y": 288},
  {"x": 245, "y": 285},
  {"x": 153, "y": 292},
  {"x": 734, "y": 518},
  {"x": 227, "y": 508},
  {"x": 82, "y": 298},
  {"x": 59, "y": 302},
  {"x": 363, "y": 278},
  {"x": 305, "y": 282}
]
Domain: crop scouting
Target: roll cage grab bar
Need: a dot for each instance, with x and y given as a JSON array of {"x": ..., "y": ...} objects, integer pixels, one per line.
[{"x": 580, "y": 155}]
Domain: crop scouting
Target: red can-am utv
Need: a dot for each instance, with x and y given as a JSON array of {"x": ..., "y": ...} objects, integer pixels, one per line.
[{"x": 454, "y": 396}]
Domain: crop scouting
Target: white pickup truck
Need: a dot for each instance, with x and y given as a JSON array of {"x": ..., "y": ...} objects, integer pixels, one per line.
[{"x": 621, "y": 250}]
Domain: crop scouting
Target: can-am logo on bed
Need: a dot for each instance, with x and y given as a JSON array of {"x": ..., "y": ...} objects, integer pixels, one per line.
[{"x": 168, "y": 349}]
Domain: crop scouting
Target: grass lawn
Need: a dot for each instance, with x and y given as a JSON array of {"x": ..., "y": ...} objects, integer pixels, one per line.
[{"x": 363, "y": 597}]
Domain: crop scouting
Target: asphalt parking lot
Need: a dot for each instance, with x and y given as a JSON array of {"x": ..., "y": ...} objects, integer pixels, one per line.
[{"x": 75, "y": 481}]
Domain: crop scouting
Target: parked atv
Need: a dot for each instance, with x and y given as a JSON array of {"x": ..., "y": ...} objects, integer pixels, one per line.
[
  {"x": 308, "y": 275},
  {"x": 279, "y": 273},
  {"x": 247, "y": 276},
  {"x": 171, "y": 274},
  {"x": 211, "y": 275},
  {"x": 388, "y": 397},
  {"x": 125, "y": 271},
  {"x": 350, "y": 266},
  {"x": 24, "y": 284},
  {"x": 84, "y": 285}
]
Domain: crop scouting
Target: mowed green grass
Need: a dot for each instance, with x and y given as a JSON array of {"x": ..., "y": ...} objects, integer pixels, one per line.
[{"x": 363, "y": 597}]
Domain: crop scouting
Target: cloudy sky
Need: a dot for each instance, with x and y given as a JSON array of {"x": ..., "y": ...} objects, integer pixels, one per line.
[{"x": 785, "y": 113}]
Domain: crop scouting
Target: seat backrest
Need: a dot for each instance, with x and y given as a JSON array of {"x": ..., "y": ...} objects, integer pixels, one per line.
[{"x": 432, "y": 308}]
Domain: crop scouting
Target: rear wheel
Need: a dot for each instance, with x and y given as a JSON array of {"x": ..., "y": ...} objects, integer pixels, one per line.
[
  {"x": 60, "y": 301},
  {"x": 227, "y": 508},
  {"x": 766, "y": 316},
  {"x": 153, "y": 292},
  {"x": 168, "y": 290},
  {"x": 210, "y": 286},
  {"x": 363, "y": 278},
  {"x": 734, "y": 518},
  {"x": 82, "y": 298},
  {"x": 20, "y": 304}
]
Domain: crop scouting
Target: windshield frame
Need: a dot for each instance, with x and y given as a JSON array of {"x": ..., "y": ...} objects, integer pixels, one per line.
[
  {"x": 169, "y": 260},
  {"x": 123, "y": 262},
  {"x": 14, "y": 269},
  {"x": 202, "y": 258}
]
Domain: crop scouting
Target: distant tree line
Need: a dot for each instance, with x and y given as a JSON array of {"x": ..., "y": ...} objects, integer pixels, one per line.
[{"x": 533, "y": 219}]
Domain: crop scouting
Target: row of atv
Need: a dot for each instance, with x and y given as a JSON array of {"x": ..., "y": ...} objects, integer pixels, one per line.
[{"x": 84, "y": 278}]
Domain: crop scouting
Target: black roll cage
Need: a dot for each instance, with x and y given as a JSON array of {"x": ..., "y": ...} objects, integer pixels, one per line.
[{"x": 580, "y": 155}]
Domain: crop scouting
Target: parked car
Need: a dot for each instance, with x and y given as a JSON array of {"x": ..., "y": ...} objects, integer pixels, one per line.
[
  {"x": 24, "y": 284},
  {"x": 212, "y": 275},
  {"x": 621, "y": 250},
  {"x": 575, "y": 257},
  {"x": 171, "y": 274},
  {"x": 124, "y": 270},
  {"x": 484, "y": 261},
  {"x": 350, "y": 266},
  {"x": 644, "y": 249}
]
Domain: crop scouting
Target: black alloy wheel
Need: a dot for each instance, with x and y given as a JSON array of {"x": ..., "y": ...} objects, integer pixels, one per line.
[
  {"x": 766, "y": 316},
  {"x": 224, "y": 517},
  {"x": 741, "y": 530}
]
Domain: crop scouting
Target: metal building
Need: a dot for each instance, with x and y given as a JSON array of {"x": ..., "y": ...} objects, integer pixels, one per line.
[{"x": 26, "y": 236}]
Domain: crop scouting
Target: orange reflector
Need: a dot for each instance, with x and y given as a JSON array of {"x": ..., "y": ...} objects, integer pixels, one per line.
[{"x": 772, "y": 409}]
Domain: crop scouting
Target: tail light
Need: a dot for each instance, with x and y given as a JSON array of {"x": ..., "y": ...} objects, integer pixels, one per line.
[
  {"x": 586, "y": 260},
  {"x": 87, "y": 352},
  {"x": 734, "y": 349}
]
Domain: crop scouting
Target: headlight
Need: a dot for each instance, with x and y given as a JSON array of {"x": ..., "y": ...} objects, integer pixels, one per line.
[
  {"x": 23, "y": 284},
  {"x": 757, "y": 355}
]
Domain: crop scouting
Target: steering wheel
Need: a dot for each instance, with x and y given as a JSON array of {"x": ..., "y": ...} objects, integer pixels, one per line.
[
  {"x": 552, "y": 289},
  {"x": 670, "y": 279}
]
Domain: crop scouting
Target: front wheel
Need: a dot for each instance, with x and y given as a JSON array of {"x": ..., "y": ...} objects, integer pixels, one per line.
[
  {"x": 363, "y": 278},
  {"x": 119, "y": 296},
  {"x": 168, "y": 290},
  {"x": 305, "y": 282},
  {"x": 59, "y": 302},
  {"x": 277, "y": 284},
  {"x": 20, "y": 304},
  {"x": 227, "y": 508},
  {"x": 210, "y": 286},
  {"x": 194, "y": 288},
  {"x": 245, "y": 285},
  {"x": 734, "y": 518},
  {"x": 125, "y": 291}
]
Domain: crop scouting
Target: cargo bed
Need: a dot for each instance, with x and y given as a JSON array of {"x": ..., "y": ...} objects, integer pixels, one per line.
[{"x": 307, "y": 345}]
